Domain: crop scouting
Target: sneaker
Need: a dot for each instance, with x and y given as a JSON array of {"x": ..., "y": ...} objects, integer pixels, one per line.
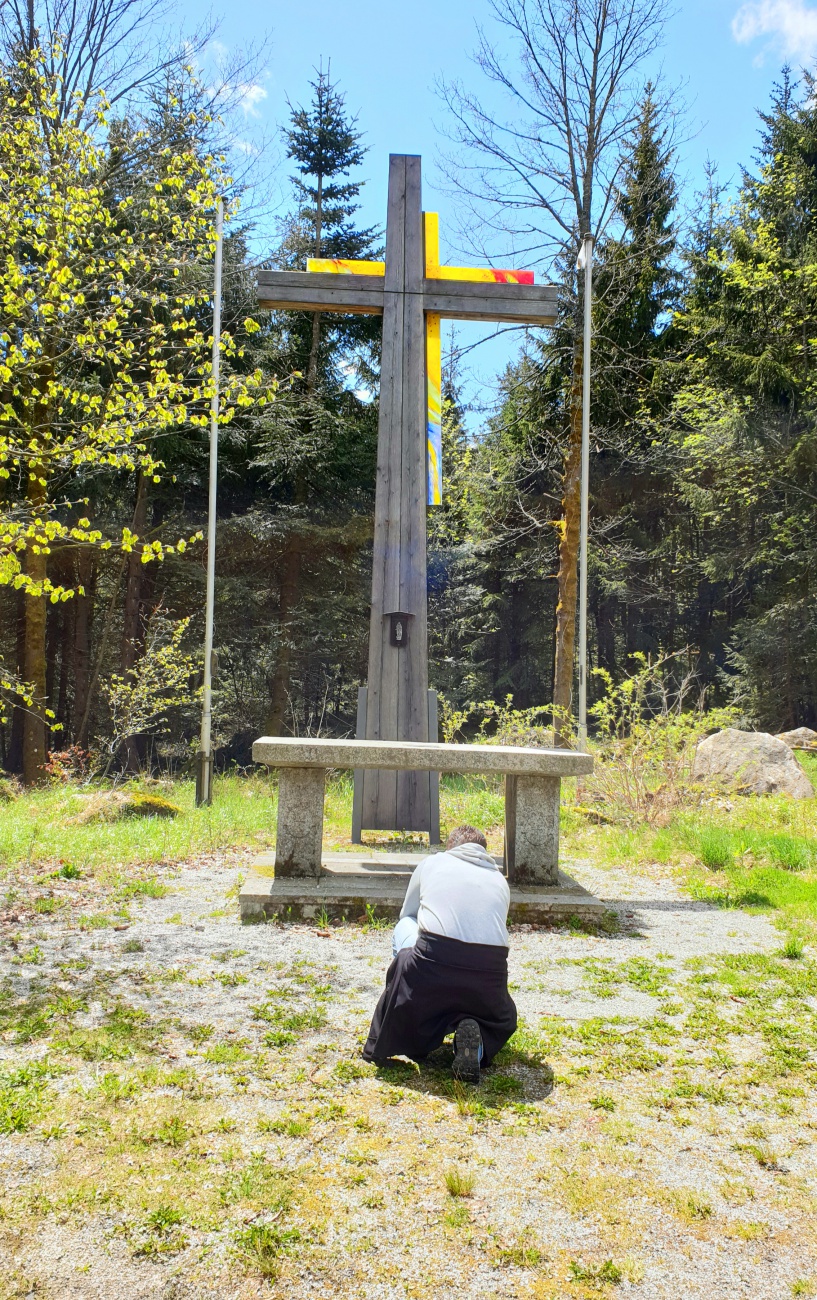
[{"x": 467, "y": 1051}]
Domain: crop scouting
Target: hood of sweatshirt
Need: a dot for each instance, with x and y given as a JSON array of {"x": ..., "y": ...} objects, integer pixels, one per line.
[{"x": 473, "y": 853}]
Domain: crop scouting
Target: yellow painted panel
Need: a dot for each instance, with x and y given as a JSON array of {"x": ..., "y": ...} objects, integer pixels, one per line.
[
  {"x": 345, "y": 266},
  {"x": 434, "y": 430},
  {"x": 474, "y": 274}
]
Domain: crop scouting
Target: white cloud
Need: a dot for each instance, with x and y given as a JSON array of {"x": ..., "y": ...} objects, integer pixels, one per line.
[
  {"x": 789, "y": 25},
  {"x": 250, "y": 96}
]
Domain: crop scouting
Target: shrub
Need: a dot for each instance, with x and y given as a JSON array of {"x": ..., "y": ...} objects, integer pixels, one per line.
[
  {"x": 491, "y": 722},
  {"x": 72, "y": 764},
  {"x": 9, "y": 790},
  {"x": 648, "y": 727}
]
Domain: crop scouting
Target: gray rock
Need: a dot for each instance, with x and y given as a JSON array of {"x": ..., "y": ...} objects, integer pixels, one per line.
[
  {"x": 753, "y": 762},
  {"x": 800, "y": 738}
]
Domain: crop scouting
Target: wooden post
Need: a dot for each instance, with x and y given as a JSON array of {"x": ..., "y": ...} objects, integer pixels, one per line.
[{"x": 397, "y": 706}]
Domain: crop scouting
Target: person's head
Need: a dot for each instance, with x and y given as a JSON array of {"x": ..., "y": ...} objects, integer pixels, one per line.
[{"x": 465, "y": 835}]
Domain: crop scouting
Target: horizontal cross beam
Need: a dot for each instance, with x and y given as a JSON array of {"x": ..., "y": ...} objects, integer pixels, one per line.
[
  {"x": 517, "y": 304},
  {"x": 321, "y": 291}
]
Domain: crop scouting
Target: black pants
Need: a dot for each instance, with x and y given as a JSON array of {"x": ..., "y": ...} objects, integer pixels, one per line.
[{"x": 431, "y": 987}]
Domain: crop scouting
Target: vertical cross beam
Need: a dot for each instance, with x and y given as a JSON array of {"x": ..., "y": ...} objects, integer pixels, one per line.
[{"x": 397, "y": 702}]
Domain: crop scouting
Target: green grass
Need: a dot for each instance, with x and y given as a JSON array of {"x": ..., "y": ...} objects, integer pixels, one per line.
[
  {"x": 749, "y": 852},
  {"x": 39, "y": 828},
  {"x": 758, "y": 853}
]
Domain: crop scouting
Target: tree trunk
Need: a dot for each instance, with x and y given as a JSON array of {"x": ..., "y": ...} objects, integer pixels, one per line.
[
  {"x": 67, "y": 656},
  {"x": 312, "y": 368},
  {"x": 567, "y": 578},
  {"x": 54, "y": 638}
]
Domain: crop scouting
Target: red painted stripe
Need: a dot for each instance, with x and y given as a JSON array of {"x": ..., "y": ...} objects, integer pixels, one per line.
[{"x": 513, "y": 277}]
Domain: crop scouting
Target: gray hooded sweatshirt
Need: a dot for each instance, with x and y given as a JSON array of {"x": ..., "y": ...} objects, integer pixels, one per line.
[{"x": 461, "y": 894}]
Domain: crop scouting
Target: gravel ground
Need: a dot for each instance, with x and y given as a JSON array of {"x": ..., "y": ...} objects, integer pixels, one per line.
[{"x": 202, "y": 1125}]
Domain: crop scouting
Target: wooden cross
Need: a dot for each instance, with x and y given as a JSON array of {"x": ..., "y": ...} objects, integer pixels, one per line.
[{"x": 412, "y": 292}]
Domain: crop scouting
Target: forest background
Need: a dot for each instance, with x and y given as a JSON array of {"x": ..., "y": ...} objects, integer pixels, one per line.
[{"x": 704, "y": 451}]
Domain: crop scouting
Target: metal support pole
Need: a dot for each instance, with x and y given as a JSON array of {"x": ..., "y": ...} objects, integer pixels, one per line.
[
  {"x": 585, "y": 263},
  {"x": 204, "y": 772}
]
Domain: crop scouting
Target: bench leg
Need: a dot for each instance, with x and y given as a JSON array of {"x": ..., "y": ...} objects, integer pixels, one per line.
[
  {"x": 299, "y": 842},
  {"x": 532, "y": 829}
]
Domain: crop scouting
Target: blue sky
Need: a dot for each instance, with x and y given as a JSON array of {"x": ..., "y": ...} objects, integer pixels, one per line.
[{"x": 386, "y": 54}]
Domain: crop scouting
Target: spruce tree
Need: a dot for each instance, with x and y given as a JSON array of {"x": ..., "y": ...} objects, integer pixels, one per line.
[
  {"x": 324, "y": 142},
  {"x": 746, "y": 448},
  {"x": 320, "y": 440},
  {"x": 636, "y": 285}
]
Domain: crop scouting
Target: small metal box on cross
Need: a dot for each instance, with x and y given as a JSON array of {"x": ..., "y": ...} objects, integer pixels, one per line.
[{"x": 412, "y": 292}]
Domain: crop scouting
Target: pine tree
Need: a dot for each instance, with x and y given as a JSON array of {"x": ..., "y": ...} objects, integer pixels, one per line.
[
  {"x": 324, "y": 142},
  {"x": 320, "y": 444},
  {"x": 636, "y": 285},
  {"x": 746, "y": 449}
]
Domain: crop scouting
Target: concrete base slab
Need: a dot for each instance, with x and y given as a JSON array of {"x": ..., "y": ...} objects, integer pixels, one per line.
[
  {"x": 351, "y": 883},
  {"x": 361, "y": 863}
]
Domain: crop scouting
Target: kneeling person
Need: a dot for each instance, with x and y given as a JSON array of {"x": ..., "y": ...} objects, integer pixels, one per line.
[{"x": 450, "y": 967}]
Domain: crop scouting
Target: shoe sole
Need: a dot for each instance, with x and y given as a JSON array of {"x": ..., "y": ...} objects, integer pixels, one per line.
[{"x": 467, "y": 1042}]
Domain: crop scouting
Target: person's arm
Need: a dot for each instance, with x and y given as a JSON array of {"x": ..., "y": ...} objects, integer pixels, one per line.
[{"x": 411, "y": 903}]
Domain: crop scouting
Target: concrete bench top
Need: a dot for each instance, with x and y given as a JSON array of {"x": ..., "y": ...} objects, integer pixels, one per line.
[{"x": 410, "y": 755}]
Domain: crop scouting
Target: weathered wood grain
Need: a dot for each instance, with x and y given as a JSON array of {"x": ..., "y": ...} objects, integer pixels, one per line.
[
  {"x": 521, "y": 304},
  {"x": 320, "y": 291},
  {"x": 398, "y": 677}
]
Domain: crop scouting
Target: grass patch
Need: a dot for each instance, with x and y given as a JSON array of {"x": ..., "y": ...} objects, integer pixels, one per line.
[
  {"x": 597, "y": 1275},
  {"x": 23, "y": 1096},
  {"x": 39, "y": 826},
  {"x": 751, "y": 852},
  {"x": 459, "y": 1182},
  {"x": 260, "y": 1247}
]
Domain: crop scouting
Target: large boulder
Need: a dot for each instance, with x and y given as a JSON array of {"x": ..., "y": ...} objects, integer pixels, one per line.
[
  {"x": 800, "y": 738},
  {"x": 751, "y": 761}
]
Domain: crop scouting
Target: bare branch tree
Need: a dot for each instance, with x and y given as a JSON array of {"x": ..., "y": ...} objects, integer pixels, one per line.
[
  {"x": 136, "y": 54},
  {"x": 544, "y": 175},
  {"x": 116, "y": 44}
]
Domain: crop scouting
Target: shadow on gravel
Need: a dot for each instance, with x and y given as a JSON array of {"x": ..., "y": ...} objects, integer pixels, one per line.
[{"x": 514, "y": 1079}]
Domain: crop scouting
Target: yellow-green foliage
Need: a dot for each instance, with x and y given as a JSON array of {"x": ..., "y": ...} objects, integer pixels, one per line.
[
  {"x": 114, "y": 805},
  {"x": 150, "y": 805},
  {"x": 80, "y": 270}
]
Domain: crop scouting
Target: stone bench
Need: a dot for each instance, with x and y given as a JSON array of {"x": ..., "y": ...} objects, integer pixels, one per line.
[{"x": 532, "y": 788}]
